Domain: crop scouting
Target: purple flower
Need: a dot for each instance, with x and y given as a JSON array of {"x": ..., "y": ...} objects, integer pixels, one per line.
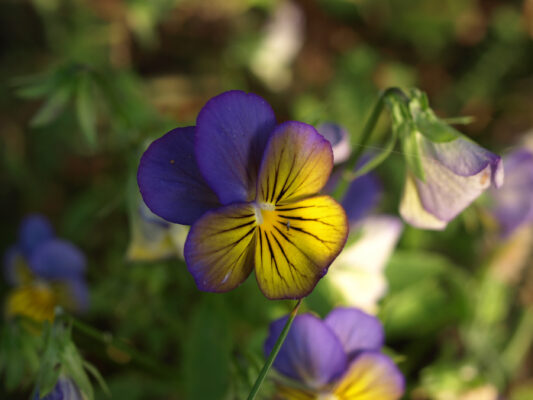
[
  {"x": 513, "y": 202},
  {"x": 446, "y": 170},
  {"x": 46, "y": 272},
  {"x": 65, "y": 389},
  {"x": 249, "y": 189},
  {"x": 338, "y": 357}
]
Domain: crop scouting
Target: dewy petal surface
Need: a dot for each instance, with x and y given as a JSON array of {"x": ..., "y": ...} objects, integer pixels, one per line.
[
  {"x": 232, "y": 131},
  {"x": 219, "y": 250},
  {"x": 371, "y": 376},
  {"x": 297, "y": 163},
  {"x": 295, "y": 245},
  {"x": 170, "y": 181},
  {"x": 356, "y": 330},
  {"x": 311, "y": 353}
]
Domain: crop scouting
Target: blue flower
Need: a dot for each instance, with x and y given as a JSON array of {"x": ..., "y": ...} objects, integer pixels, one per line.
[
  {"x": 249, "y": 188},
  {"x": 338, "y": 358},
  {"x": 45, "y": 272},
  {"x": 513, "y": 202},
  {"x": 65, "y": 389}
]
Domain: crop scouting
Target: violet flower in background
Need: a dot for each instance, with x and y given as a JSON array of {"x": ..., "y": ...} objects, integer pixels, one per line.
[
  {"x": 65, "y": 389},
  {"x": 45, "y": 271},
  {"x": 338, "y": 357},
  {"x": 513, "y": 202},
  {"x": 249, "y": 189},
  {"x": 446, "y": 170}
]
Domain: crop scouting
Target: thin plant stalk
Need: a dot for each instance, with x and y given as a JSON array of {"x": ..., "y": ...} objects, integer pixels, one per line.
[{"x": 274, "y": 352}]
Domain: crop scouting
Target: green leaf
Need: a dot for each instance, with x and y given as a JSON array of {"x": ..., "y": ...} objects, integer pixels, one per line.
[
  {"x": 51, "y": 109},
  {"x": 96, "y": 375},
  {"x": 85, "y": 108},
  {"x": 207, "y": 353},
  {"x": 73, "y": 367}
]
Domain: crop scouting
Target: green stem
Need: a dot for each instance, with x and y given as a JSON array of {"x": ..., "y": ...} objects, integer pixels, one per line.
[
  {"x": 274, "y": 352},
  {"x": 349, "y": 175},
  {"x": 519, "y": 344},
  {"x": 107, "y": 339}
]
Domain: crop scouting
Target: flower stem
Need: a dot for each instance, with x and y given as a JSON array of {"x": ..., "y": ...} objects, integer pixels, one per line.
[
  {"x": 348, "y": 176},
  {"x": 107, "y": 339},
  {"x": 274, "y": 352}
]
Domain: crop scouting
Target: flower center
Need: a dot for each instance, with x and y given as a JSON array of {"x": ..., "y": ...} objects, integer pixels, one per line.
[{"x": 264, "y": 213}]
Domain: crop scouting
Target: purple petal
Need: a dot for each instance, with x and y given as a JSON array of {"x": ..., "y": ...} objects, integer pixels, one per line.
[
  {"x": 65, "y": 389},
  {"x": 465, "y": 158},
  {"x": 34, "y": 230},
  {"x": 356, "y": 330},
  {"x": 513, "y": 202},
  {"x": 232, "y": 131},
  {"x": 57, "y": 259},
  {"x": 338, "y": 138},
  {"x": 371, "y": 376},
  {"x": 311, "y": 354},
  {"x": 362, "y": 196},
  {"x": 170, "y": 181},
  {"x": 456, "y": 173}
]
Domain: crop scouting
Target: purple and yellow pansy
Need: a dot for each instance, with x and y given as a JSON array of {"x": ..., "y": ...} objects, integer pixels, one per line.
[
  {"x": 249, "y": 188},
  {"x": 338, "y": 358},
  {"x": 45, "y": 271}
]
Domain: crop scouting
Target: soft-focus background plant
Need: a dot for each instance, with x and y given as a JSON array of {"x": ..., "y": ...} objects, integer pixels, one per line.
[{"x": 86, "y": 84}]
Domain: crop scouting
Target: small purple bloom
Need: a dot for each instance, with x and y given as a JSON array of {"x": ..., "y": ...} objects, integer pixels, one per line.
[
  {"x": 339, "y": 357},
  {"x": 513, "y": 202},
  {"x": 249, "y": 188},
  {"x": 446, "y": 170},
  {"x": 65, "y": 389},
  {"x": 46, "y": 271}
]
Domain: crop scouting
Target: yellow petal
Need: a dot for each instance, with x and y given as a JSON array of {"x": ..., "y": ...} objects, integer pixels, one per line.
[
  {"x": 295, "y": 245},
  {"x": 219, "y": 248},
  {"x": 371, "y": 376},
  {"x": 32, "y": 301},
  {"x": 297, "y": 163}
]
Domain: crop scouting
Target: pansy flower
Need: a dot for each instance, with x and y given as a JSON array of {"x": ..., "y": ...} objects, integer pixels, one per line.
[
  {"x": 446, "y": 170},
  {"x": 338, "y": 358},
  {"x": 45, "y": 271},
  {"x": 249, "y": 188}
]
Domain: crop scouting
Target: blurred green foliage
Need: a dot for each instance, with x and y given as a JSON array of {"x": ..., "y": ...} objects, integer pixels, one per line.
[{"x": 87, "y": 83}]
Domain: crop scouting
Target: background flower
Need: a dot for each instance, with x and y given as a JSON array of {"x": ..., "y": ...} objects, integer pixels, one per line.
[
  {"x": 339, "y": 356},
  {"x": 45, "y": 272}
]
